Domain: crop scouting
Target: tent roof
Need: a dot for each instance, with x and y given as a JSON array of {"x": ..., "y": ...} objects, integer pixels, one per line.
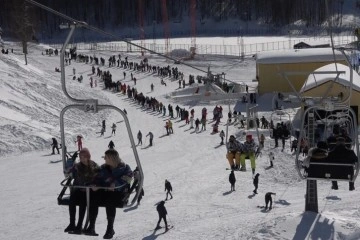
[
  {"x": 298, "y": 55},
  {"x": 314, "y": 79}
]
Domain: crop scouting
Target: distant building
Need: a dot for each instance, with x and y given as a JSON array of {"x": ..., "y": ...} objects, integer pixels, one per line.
[
  {"x": 302, "y": 45},
  {"x": 296, "y": 64}
]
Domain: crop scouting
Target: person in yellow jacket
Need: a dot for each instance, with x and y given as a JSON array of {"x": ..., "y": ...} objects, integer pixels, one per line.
[
  {"x": 233, "y": 152},
  {"x": 248, "y": 150}
]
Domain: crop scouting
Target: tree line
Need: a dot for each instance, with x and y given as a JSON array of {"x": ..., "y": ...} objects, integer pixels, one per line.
[{"x": 115, "y": 14}]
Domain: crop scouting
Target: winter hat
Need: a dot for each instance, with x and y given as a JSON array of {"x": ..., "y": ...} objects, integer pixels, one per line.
[
  {"x": 85, "y": 152},
  {"x": 232, "y": 137},
  {"x": 249, "y": 136}
]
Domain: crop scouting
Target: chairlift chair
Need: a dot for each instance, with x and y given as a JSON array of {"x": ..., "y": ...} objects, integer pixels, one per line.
[{"x": 328, "y": 169}]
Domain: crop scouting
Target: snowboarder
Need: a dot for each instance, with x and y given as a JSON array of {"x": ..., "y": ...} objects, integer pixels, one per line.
[
  {"x": 79, "y": 142},
  {"x": 222, "y": 135},
  {"x": 168, "y": 189},
  {"x": 232, "y": 180},
  {"x": 113, "y": 127},
  {"x": 111, "y": 145},
  {"x": 268, "y": 199},
  {"x": 151, "y": 137},
  {"x": 139, "y": 137},
  {"x": 55, "y": 146},
  {"x": 160, "y": 208},
  {"x": 256, "y": 182}
]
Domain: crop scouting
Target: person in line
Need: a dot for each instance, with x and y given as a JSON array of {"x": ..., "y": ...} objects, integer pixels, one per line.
[
  {"x": 168, "y": 189},
  {"x": 232, "y": 180},
  {"x": 160, "y": 208},
  {"x": 256, "y": 182},
  {"x": 83, "y": 174},
  {"x": 55, "y": 145},
  {"x": 151, "y": 137},
  {"x": 139, "y": 137},
  {"x": 111, "y": 145},
  {"x": 116, "y": 176},
  {"x": 268, "y": 199}
]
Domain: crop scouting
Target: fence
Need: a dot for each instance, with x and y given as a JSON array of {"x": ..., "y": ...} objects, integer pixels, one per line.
[{"x": 230, "y": 50}]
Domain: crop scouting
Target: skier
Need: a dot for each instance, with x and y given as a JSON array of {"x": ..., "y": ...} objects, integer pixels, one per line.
[
  {"x": 139, "y": 137},
  {"x": 162, "y": 215},
  {"x": 111, "y": 145},
  {"x": 104, "y": 125},
  {"x": 271, "y": 159},
  {"x": 79, "y": 142},
  {"x": 113, "y": 127},
  {"x": 268, "y": 199},
  {"x": 55, "y": 146},
  {"x": 168, "y": 189},
  {"x": 102, "y": 131},
  {"x": 256, "y": 182},
  {"x": 232, "y": 180},
  {"x": 152, "y": 87},
  {"x": 151, "y": 136},
  {"x": 222, "y": 135}
]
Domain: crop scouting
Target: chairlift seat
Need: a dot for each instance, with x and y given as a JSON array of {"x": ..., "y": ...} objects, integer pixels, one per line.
[
  {"x": 64, "y": 199},
  {"x": 334, "y": 170}
]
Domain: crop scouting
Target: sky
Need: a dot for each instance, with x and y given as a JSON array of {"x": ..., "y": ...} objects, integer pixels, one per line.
[{"x": 203, "y": 206}]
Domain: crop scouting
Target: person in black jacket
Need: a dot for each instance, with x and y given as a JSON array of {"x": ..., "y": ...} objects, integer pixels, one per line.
[
  {"x": 111, "y": 145},
  {"x": 256, "y": 182},
  {"x": 268, "y": 199},
  {"x": 168, "y": 189},
  {"x": 55, "y": 146},
  {"x": 346, "y": 156},
  {"x": 162, "y": 215},
  {"x": 232, "y": 180}
]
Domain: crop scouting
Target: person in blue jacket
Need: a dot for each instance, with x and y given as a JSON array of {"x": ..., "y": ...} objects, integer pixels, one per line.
[{"x": 114, "y": 180}]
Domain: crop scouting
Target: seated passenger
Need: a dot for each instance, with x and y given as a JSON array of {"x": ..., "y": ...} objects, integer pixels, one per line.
[
  {"x": 113, "y": 174},
  {"x": 83, "y": 174},
  {"x": 316, "y": 154},
  {"x": 341, "y": 154},
  {"x": 248, "y": 150},
  {"x": 233, "y": 152}
]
